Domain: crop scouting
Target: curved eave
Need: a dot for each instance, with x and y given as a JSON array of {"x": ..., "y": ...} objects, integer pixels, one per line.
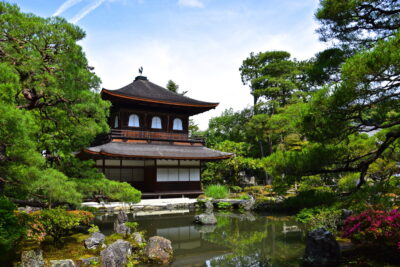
[
  {"x": 155, "y": 157},
  {"x": 108, "y": 92}
]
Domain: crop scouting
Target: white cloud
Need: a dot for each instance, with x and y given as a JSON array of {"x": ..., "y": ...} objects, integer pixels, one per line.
[
  {"x": 191, "y": 3},
  {"x": 65, "y": 6},
  {"x": 83, "y": 12},
  {"x": 206, "y": 63},
  {"x": 87, "y": 10}
]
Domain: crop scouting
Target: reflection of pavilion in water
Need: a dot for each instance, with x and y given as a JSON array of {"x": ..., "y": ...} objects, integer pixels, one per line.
[
  {"x": 186, "y": 237},
  {"x": 188, "y": 243},
  {"x": 239, "y": 239}
]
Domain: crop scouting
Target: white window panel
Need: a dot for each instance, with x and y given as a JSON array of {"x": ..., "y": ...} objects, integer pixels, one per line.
[
  {"x": 189, "y": 163},
  {"x": 184, "y": 175},
  {"x": 173, "y": 175},
  {"x": 112, "y": 162},
  {"x": 177, "y": 124},
  {"x": 167, "y": 162},
  {"x": 156, "y": 123},
  {"x": 133, "y": 120},
  {"x": 194, "y": 174},
  {"x": 116, "y": 122},
  {"x": 99, "y": 162},
  {"x": 138, "y": 163},
  {"x": 162, "y": 175}
]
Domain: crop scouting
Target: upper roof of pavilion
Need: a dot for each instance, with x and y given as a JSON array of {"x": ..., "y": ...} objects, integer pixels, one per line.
[{"x": 144, "y": 91}]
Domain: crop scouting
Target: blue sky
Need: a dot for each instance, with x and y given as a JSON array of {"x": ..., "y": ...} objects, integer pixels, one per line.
[{"x": 199, "y": 44}]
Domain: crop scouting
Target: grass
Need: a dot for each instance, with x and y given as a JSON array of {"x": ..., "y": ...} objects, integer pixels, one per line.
[
  {"x": 71, "y": 246},
  {"x": 217, "y": 191}
]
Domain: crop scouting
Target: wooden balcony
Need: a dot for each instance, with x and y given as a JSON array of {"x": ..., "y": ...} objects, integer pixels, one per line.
[{"x": 154, "y": 136}]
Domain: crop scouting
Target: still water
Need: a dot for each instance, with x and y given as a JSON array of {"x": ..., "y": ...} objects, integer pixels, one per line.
[{"x": 243, "y": 240}]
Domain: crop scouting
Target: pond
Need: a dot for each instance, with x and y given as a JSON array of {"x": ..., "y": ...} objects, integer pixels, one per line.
[{"x": 239, "y": 239}]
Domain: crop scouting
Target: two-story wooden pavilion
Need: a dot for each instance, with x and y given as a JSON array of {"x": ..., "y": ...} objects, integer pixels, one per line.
[{"x": 149, "y": 145}]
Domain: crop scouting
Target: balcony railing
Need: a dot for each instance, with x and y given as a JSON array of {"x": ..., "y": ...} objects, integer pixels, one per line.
[{"x": 155, "y": 136}]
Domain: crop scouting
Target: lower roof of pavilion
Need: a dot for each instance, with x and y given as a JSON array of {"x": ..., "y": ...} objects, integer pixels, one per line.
[{"x": 155, "y": 151}]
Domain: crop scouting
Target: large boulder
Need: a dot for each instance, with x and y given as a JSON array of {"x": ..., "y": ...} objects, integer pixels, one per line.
[
  {"x": 32, "y": 258},
  {"x": 159, "y": 250},
  {"x": 322, "y": 249},
  {"x": 116, "y": 254},
  {"x": 122, "y": 229},
  {"x": 62, "y": 263},
  {"x": 119, "y": 224},
  {"x": 95, "y": 240},
  {"x": 138, "y": 237},
  {"x": 122, "y": 217},
  {"x": 205, "y": 218}
]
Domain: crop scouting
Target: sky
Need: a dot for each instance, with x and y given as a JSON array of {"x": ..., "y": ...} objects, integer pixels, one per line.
[{"x": 199, "y": 44}]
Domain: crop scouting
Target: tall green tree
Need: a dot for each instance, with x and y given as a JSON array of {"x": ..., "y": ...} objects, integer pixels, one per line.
[
  {"x": 174, "y": 87},
  {"x": 50, "y": 107},
  {"x": 272, "y": 77},
  {"x": 358, "y": 23},
  {"x": 364, "y": 97}
]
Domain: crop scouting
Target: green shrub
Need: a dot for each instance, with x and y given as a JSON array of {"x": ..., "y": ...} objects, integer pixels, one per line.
[
  {"x": 90, "y": 209},
  {"x": 310, "y": 182},
  {"x": 311, "y": 198},
  {"x": 244, "y": 196},
  {"x": 93, "y": 229},
  {"x": 235, "y": 189},
  {"x": 348, "y": 182},
  {"x": 255, "y": 190},
  {"x": 114, "y": 190},
  {"x": 329, "y": 218},
  {"x": 132, "y": 225},
  {"x": 11, "y": 230},
  {"x": 224, "y": 205},
  {"x": 58, "y": 222},
  {"x": 260, "y": 191},
  {"x": 217, "y": 191}
]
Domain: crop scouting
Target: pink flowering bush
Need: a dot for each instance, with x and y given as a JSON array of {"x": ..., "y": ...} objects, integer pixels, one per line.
[{"x": 374, "y": 227}]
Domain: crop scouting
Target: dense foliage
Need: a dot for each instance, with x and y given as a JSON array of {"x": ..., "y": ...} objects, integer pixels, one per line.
[
  {"x": 325, "y": 130},
  {"x": 50, "y": 109},
  {"x": 10, "y": 228},
  {"x": 56, "y": 223},
  {"x": 332, "y": 118},
  {"x": 216, "y": 191},
  {"x": 374, "y": 227},
  {"x": 328, "y": 218}
]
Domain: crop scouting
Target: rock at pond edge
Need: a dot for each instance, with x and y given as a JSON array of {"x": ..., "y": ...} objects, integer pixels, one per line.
[
  {"x": 159, "y": 249},
  {"x": 322, "y": 249},
  {"x": 205, "y": 218},
  {"x": 116, "y": 254},
  {"x": 32, "y": 258},
  {"x": 95, "y": 240},
  {"x": 62, "y": 263}
]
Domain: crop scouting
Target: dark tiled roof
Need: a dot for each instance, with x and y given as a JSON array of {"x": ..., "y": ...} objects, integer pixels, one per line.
[
  {"x": 143, "y": 90},
  {"x": 157, "y": 151}
]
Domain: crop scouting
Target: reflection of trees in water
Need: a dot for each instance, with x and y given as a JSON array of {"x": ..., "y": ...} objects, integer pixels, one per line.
[
  {"x": 255, "y": 243},
  {"x": 255, "y": 260}
]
